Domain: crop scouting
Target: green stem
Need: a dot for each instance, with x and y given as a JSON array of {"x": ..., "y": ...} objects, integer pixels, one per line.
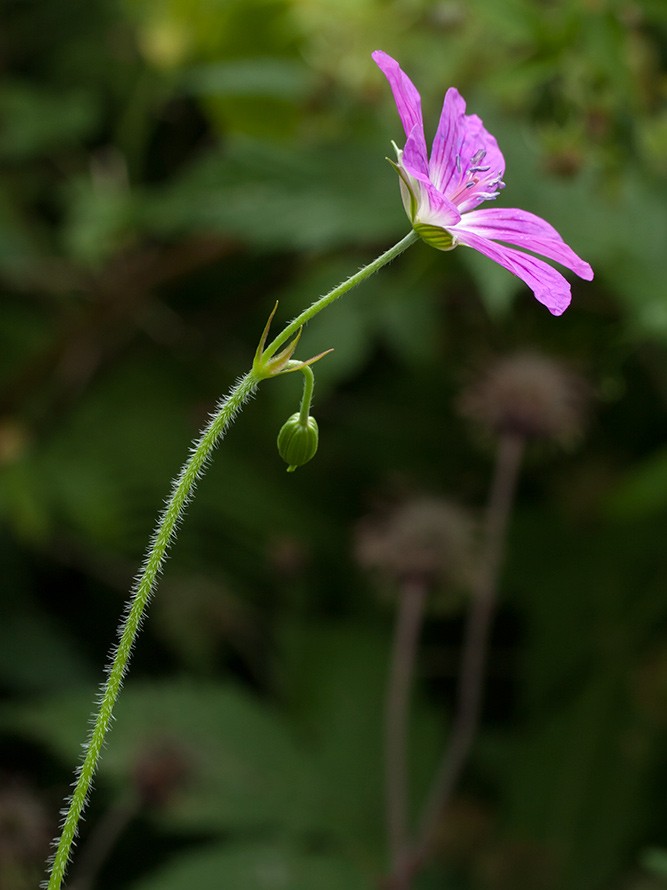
[
  {"x": 181, "y": 493},
  {"x": 182, "y": 490},
  {"x": 360, "y": 276},
  {"x": 307, "y": 397}
]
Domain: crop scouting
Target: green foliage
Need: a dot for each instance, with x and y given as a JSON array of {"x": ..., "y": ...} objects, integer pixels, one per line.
[
  {"x": 241, "y": 769},
  {"x": 277, "y": 197},
  {"x": 251, "y": 867},
  {"x": 656, "y": 861}
]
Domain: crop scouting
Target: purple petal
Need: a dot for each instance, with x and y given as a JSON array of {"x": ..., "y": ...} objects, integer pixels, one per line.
[
  {"x": 513, "y": 220},
  {"x": 408, "y": 101},
  {"x": 435, "y": 209},
  {"x": 464, "y": 152},
  {"x": 447, "y": 140},
  {"x": 414, "y": 157},
  {"x": 548, "y": 285},
  {"x": 524, "y": 229},
  {"x": 478, "y": 137}
]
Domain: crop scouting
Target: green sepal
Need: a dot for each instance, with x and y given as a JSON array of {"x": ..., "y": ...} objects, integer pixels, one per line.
[
  {"x": 406, "y": 183},
  {"x": 435, "y": 236}
]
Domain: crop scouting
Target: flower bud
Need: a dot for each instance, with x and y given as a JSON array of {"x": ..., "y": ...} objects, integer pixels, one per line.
[{"x": 297, "y": 441}]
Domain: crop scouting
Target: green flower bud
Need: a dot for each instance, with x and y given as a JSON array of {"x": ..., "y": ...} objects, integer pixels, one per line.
[{"x": 297, "y": 441}]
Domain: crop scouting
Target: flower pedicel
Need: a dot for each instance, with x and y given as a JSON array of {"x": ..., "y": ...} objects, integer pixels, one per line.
[{"x": 441, "y": 193}]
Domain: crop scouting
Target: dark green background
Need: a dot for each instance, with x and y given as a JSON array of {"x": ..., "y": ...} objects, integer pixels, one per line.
[{"x": 170, "y": 168}]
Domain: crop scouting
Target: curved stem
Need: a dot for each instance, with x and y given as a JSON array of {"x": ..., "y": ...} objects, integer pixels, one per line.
[
  {"x": 363, "y": 273},
  {"x": 307, "y": 397},
  {"x": 182, "y": 490},
  {"x": 475, "y": 646},
  {"x": 168, "y": 522}
]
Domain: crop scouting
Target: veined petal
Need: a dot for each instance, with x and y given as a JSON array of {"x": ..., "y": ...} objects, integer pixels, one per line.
[
  {"x": 548, "y": 285},
  {"x": 434, "y": 208},
  {"x": 408, "y": 100},
  {"x": 447, "y": 141},
  {"x": 511, "y": 219},
  {"x": 478, "y": 137},
  {"x": 413, "y": 157},
  {"x": 526, "y": 230},
  {"x": 466, "y": 163}
]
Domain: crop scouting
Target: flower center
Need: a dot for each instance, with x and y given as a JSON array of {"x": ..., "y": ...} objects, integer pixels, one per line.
[{"x": 475, "y": 181}]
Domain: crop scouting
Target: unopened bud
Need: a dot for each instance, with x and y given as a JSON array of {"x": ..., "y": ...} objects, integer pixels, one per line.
[{"x": 297, "y": 441}]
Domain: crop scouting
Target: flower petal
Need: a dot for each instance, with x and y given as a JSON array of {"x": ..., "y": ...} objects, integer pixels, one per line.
[
  {"x": 478, "y": 137},
  {"x": 448, "y": 140},
  {"x": 513, "y": 220},
  {"x": 463, "y": 151},
  {"x": 414, "y": 157},
  {"x": 526, "y": 230},
  {"x": 548, "y": 285},
  {"x": 408, "y": 100},
  {"x": 434, "y": 209}
]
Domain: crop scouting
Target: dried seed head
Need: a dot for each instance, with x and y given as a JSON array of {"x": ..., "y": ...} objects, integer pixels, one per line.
[
  {"x": 426, "y": 539},
  {"x": 530, "y": 395}
]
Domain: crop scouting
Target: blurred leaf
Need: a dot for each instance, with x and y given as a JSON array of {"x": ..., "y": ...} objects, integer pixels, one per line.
[
  {"x": 255, "y": 867},
  {"x": 242, "y": 767},
  {"x": 53, "y": 661},
  {"x": 279, "y": 78},
  {"x": 100, "y": 216},
  {"x": 337, "y": 678},
  {"x": 274, "y": 198},
  {"x": 18, "y": 250},
  {"x": 37, "y": 121},
  {"x": 655, "y": 860},
  {"x": 643, "y": 490},
  {"x": 586, "y": 808}
]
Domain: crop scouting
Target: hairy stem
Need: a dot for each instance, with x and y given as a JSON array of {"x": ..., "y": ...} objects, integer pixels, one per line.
[
  {"x": 409, "y": 620},
  {"x": 168, "y": 522},
  {"x": 182, "y": 490},
  {"x": 354, "y": 280},
  {"x": 475, "y": 647}
]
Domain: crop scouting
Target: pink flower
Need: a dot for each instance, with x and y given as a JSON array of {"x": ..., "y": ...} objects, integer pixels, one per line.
[{"x": 441, "y": 194}]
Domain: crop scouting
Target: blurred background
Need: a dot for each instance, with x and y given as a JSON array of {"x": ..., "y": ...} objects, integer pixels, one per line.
[{"x": 170, "y": 168}]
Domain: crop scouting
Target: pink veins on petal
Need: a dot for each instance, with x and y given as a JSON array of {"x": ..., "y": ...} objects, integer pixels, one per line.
[{"x": 465, "y": 168}]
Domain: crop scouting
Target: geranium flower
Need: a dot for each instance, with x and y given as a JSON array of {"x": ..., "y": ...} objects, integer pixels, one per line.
[{"x": 441, "y": 194}]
